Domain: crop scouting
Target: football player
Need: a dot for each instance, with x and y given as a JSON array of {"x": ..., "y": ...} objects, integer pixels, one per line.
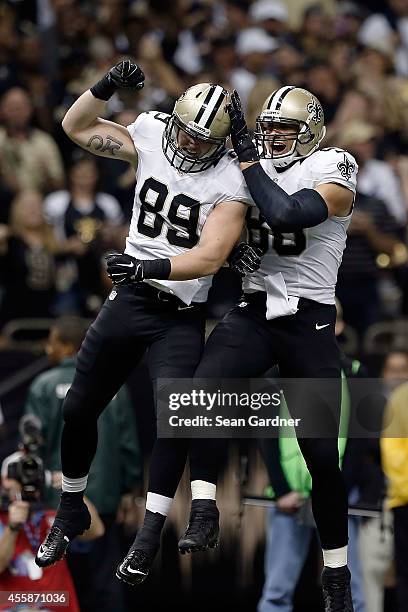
[
  {"x": 304, "y": 198},
  {"x": 189, "y": 209}
]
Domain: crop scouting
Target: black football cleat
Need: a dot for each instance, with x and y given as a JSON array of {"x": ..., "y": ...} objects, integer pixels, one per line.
[
  {"x": 71, "y": 520},
  {"x": 53, "y": 548},
  {"x": 135, "y": 567},
  {"x": 337, "y": 589},
  {"x": 203, "y": 528}
]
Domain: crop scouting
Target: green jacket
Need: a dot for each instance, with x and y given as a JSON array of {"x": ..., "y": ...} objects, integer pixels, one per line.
[
  {"x": 116, "y": 467},
  {"x": 293, "y": 464}
]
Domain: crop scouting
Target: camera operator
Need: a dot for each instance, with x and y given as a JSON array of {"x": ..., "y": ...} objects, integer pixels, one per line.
[{"x": 24, "y": 522}]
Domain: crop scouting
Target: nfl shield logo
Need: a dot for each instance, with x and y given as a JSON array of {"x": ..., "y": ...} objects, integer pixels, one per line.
[{"x": 113, "y": 294}]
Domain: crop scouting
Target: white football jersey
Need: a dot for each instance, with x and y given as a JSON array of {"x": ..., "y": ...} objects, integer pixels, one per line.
[
  {"x": 171, "y": 207},
  {"x": 305, "y": 263}
]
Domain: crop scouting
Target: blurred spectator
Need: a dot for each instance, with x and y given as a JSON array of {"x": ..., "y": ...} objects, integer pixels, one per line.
[
  {"x": 8, "y": 45},
  {"x": 29, "y": 158},
  {"x": 371, "y": 242},
  {"x": 257, "y": 97},
  {"x": 395, "y": 369},
  {"x": 86, "y": 221},
  {"x": 110, "y": 16},
  {"x": 116, "y": 177},
  {"x": 27, "y": 261},
  {"x": 254, "y": 48},
  {"x": 272, "y": 16},
  {"x": 102, "y": 55},
  {"x": 322, "y": 80},
  {"x": 342, "y": 55},
  {"x": 223, "y": 59},
  {"x": 30, "y": 58},
  {"x": 349, "y": 17},
  {"x": 164, "y": 84},
  {"x": 376, "y": 534},
  {"x": 194, "y": 38},
  {"x": 288, "y": 64},
  {"x": 315, "y": 36},
  {"x": 389, "y": 26},
  {"x": 24, "y": 521},
  {"x": 66, "y": 28},
  {"x": 375, "y": 177},
  {"x": 237, "y": 15},
  {"x": 394, "y": 449},
  {"x": 355, "y": 106},
  {"x": 115, "y": 474}
]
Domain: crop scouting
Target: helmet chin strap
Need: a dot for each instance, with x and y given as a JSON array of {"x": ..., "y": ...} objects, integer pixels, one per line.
[{"x": 281, "y": 162}]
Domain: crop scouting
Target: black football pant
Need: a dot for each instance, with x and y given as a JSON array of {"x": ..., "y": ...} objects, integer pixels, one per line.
[
  {"x": 245, "y": 345},
  {"x": 134, "y": 319}
]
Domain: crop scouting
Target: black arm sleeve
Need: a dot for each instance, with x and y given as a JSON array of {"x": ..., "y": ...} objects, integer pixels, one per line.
[
  {"x": 305, "y": 208},
  {"x": 270, "y": 453}
]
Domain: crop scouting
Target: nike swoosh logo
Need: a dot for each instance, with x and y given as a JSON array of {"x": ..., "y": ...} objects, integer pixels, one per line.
[
  {"x": 41, "y": 552},
  {"x": 129, "y": 265},
  {"x": 132, "y": 571},
  {"x": 321, "y": 326}
]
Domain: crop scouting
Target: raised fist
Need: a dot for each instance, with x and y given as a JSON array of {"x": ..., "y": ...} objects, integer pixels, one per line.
[{"x": 127, "y": 75}]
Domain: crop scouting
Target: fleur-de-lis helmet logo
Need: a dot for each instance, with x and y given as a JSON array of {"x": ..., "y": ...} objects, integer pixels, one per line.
[
  {"x": 346, "y": 167},
  {"x": 316, "y": 111}
]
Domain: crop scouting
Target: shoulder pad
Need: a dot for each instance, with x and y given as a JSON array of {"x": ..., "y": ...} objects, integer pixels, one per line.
[{"x": 163, "y": 117}]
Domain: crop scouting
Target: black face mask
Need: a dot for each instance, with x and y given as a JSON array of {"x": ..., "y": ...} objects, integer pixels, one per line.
[{"x": 180, "y": 159}]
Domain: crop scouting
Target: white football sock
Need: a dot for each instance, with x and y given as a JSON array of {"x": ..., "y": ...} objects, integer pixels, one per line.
[
  {"x": 74, "y": 485},
  {"x": 336, "y": 557},
  {"x": 158, "y": 503},
  {"x": 200, "y": 489}
]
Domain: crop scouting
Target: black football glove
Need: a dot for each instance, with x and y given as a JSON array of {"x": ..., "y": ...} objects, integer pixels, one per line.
[
  {"x": 245, "y": 259},
  {"x": 240, "y": 137},
  {"x": 123, "y": 269},
  {"x": 125, "y": 75}
]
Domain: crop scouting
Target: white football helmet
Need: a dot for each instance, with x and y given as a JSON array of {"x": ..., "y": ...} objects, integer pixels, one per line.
[
  {"x": 202, "y": 113},
  {"x": 290, "y": 106}
]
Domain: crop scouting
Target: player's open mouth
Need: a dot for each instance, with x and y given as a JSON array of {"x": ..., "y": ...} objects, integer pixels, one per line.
[{"x": 278, "y": 147}]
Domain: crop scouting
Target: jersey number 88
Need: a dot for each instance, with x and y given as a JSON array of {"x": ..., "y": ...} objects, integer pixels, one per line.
[{"x": 286, "y": 244}]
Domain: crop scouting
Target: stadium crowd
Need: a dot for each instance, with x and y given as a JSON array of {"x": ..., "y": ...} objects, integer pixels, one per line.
[{"x": 61, "y": 211}]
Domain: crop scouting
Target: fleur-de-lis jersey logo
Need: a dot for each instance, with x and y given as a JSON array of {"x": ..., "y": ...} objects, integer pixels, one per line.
[
  {"x": 346, "y": 167},
  {"x": 316, "y": 111}
]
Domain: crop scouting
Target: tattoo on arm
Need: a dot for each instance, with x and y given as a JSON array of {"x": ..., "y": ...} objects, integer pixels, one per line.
[{"x": 112, "y": 145}]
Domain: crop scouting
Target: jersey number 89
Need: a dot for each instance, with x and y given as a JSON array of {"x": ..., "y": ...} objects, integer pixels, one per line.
[{"x": 150, "y": 222}]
